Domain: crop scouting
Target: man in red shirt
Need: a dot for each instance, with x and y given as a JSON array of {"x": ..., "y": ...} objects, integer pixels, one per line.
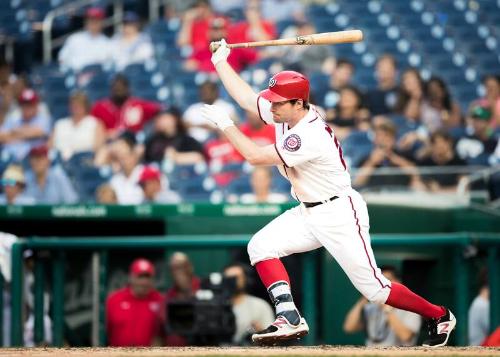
[
  {"x": 257, "y": 130},
  {"x": 133, "y": 316},
  {"x": 121, "y": 111},
  {"x": 200, "y": 58}
]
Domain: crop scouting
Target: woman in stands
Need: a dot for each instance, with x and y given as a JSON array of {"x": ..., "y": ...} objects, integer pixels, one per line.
[{"x": 438, "y": 110}]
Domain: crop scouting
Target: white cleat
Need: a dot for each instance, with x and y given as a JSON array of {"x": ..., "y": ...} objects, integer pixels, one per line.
[
  {"x": 281, "y": 330},
  {"x": 440, "y": 329}
]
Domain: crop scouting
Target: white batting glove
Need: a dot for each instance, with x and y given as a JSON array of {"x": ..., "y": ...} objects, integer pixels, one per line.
[
  {"x": 222, "y": 52},
  {"x": 217, "y": 116}
]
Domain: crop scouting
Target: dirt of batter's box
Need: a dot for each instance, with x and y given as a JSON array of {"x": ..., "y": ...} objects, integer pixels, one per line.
[{"x": 252, "y": 351}]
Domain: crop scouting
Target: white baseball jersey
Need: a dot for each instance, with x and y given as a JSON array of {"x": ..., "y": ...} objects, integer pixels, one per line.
[
  {"x": 311, "y": 155},
  {"x": 313, "y": 163}
]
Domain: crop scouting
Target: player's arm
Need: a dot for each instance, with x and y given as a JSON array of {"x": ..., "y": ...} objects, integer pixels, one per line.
[
  {"x": 237, "y": 88},
  {"x": 256, "y": 155}
]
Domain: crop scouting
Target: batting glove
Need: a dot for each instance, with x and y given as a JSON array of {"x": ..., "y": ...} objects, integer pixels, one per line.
[
  {"x": 222, "y": 52},
  {"x": 217, "y": 116}
]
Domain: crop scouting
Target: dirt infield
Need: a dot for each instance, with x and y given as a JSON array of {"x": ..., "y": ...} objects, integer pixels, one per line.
[{"x": 251, "y": 351}]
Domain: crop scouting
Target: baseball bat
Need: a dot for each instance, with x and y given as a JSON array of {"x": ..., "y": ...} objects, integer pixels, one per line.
[{"x": 325, "y": 38}]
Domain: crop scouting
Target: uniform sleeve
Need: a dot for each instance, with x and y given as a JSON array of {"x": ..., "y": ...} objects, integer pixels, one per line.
[
  {"x": 295, "y": 149},
  {"x": 264, "y": 109}
]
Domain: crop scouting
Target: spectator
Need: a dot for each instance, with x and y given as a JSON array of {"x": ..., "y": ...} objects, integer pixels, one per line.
[
  {"x": 282, "y": 10},
  {"x": 106, "y": 195},
  {"x": 195, "y": 25},
  {"x": 130, "y": 45},
  {"x": 410, "y": 95},
  {"x": 383, "y": 325},
  {"x": 86, "y": 47},
  {"x": 477, "y": 147},
  {"x": 48, "y": 185},
  {"x": 80, "y": 132},
  {"x": 251, "y": 313},
  {"x": 349, "y": 113},
  {"x": 491, "y": 100},
  {"x": 261, "y": 180},
  {"x": 133, "y": 316},
  {"x": 386, "y": 155},
  {"x": 200, "y": 59},
  {"x": 170, "y": 141},
  {"x": 121, "y": 111},
  {"x": 341, "y": 77},
  {"x": 125, "y": 182},
  {"x": 479, "y": 312},
  {"x": 441, "y": 154},
  {"x": 253, "y": 28},
  {"x": 14, "y": 183},
  {"x": 220, "y": 152},
  {"x": 197, "y": 126},
  {"x": 10, "y": 93},
  {"x": 438, "y": 110},
  {"x": 20, "y": 133},
  {"x": 383, "y": 99},
  {"x": 154, "y": 187},
  {"x": 257, "y": 130},
  {"x": 184, "y": 286},
  {"x": 306, "y": 59}
]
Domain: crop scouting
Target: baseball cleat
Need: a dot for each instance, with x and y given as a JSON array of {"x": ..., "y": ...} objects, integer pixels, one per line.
[
  {"x": 281, "y": 330},
  {"x": 440, "y": 329}
]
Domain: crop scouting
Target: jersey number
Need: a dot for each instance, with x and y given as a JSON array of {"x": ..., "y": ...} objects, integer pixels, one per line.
[{"x": 330, "y": 132}]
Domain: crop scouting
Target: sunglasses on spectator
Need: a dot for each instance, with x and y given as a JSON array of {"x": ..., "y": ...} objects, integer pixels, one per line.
[{"x": 9, "y": 182}]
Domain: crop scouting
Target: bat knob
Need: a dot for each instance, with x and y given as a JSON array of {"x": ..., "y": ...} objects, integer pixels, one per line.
[{"x": 214, "y": 46}]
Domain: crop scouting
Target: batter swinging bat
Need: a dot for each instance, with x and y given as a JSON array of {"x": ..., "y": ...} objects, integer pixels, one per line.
[{"x": 325, "y": 38}]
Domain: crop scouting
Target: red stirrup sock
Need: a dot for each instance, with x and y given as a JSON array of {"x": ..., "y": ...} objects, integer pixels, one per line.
[
  {"x": 271, "y": 271},
  {"x": 403, "y": 298}
]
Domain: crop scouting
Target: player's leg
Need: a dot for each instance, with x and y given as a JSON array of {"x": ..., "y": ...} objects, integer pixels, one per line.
[
  {"x": 285, "y": 235},
  {"x": 347, "y": 239}
]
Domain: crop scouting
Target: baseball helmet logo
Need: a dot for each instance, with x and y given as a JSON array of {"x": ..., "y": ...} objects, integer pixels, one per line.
[
  {"x": 272, "y": 82},
  {"x": 292, "y": 142}
]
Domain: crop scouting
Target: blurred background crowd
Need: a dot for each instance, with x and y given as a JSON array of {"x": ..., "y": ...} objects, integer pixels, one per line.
[{"x": 112, "y": 114}]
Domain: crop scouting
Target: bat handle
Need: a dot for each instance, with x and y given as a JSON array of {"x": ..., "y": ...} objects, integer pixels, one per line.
[{"x": 215, "y": 45}]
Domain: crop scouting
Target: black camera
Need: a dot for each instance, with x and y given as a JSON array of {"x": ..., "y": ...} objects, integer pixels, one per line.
[{"x": 207, "y": 319}]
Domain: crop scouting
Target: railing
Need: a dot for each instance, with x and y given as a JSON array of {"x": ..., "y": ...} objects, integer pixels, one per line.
[
  {"x": 49, "y": 44},
  {"x": 456, "y": 241}
]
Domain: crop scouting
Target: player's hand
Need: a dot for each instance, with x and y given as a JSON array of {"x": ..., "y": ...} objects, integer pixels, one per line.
[
  {"x": 221, "y": 53},
  {"x": 217, "y": 116}
]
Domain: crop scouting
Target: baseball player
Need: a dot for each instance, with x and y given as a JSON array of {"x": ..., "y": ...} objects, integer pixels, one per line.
[{"x": 330, "y": 214}]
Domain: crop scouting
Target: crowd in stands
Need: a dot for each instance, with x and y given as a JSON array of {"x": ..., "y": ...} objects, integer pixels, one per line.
[{"x": 129, "y": 148}]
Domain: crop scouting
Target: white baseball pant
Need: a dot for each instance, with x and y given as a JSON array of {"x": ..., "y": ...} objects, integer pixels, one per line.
[{"x": 341, "y": 226}]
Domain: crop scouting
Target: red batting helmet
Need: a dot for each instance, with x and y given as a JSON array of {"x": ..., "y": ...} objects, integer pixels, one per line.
[{"x": 286, "y": 85}]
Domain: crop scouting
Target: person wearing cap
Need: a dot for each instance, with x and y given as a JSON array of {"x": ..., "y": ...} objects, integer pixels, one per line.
[
  {"x": 195, "y": 24},
  {"x": 130, "y": 45},
  {"x": 133, "y": 313},
  {"x": 20, "y": 132},
  {"x": 123, "y": 112},
  {"x": 329, "y": 212},
  {"x": 153, "y": 187},
  {"x": 477, "y": 147},
  {"x": 86, "y": 47},
  {"x": 48, "y": 184},
  {"x": 200, "y": 58},
  {"x": 13, "y": 183}
]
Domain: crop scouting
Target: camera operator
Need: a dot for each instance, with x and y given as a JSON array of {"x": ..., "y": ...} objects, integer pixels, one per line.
[
  {"x": 251, "y": 313},
  {"x": 185, "y": 284}
]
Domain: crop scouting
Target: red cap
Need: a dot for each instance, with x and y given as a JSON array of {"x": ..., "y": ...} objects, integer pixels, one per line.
[
  {"x": 149, "y": 173},
  {"x": 28, "y": 96},
  {"x": 40, "y": 150},
  {"x": 95, "y": 13},
  {"x": 142, "y": 266},
  {"x": 286, "y": 85}
]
